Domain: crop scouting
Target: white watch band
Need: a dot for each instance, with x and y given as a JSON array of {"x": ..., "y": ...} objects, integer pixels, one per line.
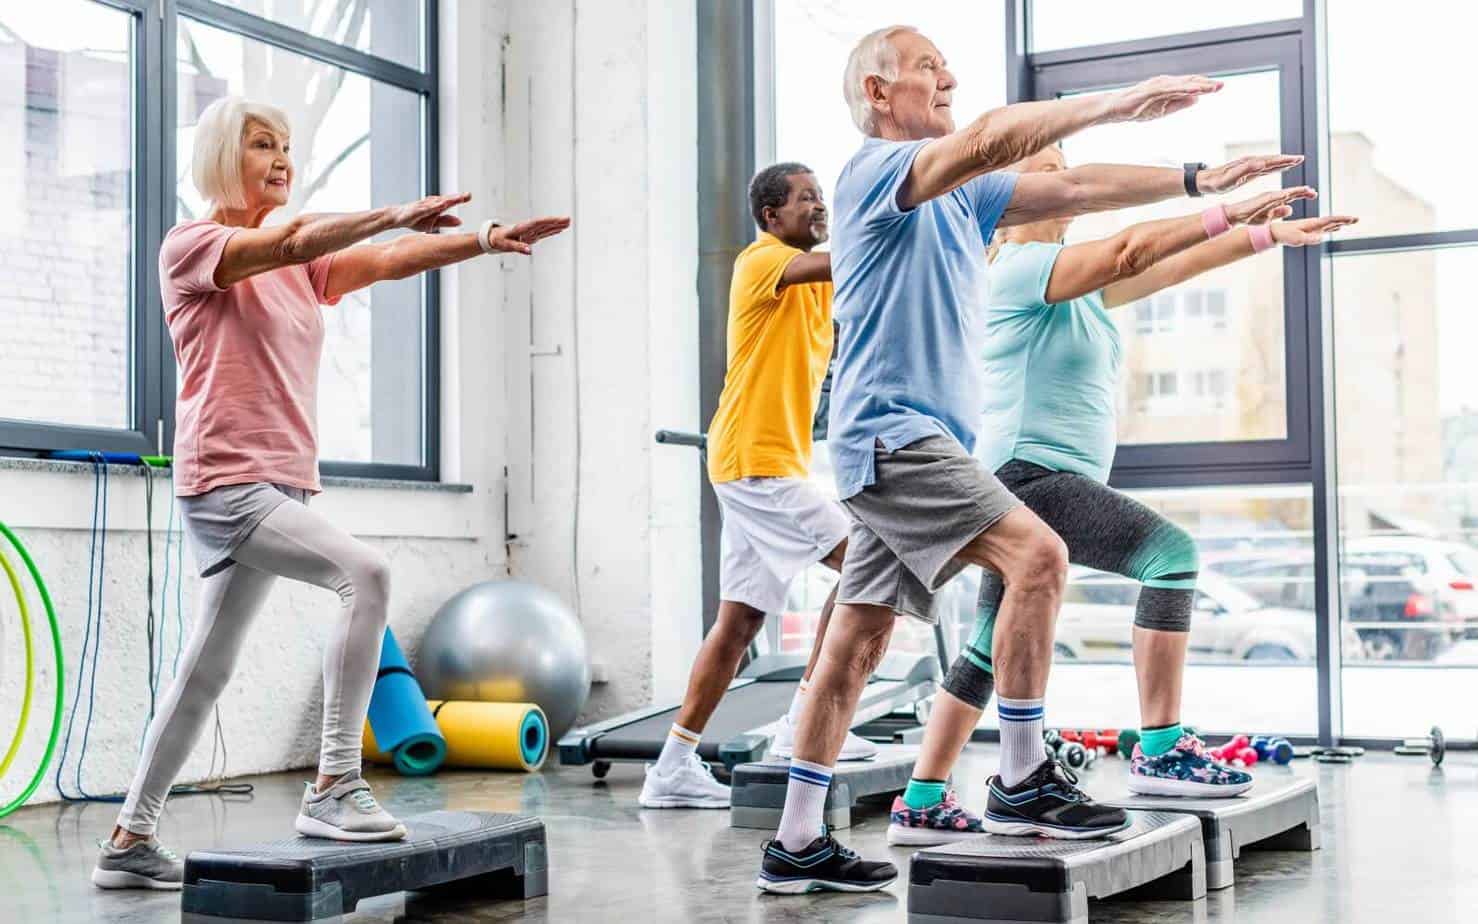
[{"x": 483, "y": 232}]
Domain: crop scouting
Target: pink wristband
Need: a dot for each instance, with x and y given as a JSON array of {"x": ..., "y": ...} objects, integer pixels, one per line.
[
  {"x": 1262, "y": 237},
  {"x": 1216, "y": 221}
]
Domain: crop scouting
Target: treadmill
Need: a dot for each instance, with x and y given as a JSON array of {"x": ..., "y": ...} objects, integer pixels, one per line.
[{"x": 740, "y": 729}]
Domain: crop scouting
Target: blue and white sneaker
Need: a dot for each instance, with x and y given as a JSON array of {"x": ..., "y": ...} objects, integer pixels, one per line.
[
  {"x": 1049, "y": 803},
  {"x": 1185, "y": 770}
]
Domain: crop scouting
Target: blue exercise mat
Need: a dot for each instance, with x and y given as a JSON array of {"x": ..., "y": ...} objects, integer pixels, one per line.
[{"x": 399, "y": 717}]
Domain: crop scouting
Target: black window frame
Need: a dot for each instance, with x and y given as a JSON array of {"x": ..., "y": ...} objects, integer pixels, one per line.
[{"x": 152, "y": 371}]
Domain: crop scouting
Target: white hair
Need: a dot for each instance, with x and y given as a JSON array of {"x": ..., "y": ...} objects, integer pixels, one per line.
[
  {"x": 216, "y": 164},
  {"x": 874, "y": 54}
]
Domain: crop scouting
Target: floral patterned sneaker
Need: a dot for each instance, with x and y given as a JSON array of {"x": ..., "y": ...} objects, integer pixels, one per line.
[
  {"x": 1185, "y": 770},
  {"x": 940, "y": 823}
]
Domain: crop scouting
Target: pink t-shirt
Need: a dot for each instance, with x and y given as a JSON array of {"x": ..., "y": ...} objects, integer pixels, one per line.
[{"x": 248, "y": 365}]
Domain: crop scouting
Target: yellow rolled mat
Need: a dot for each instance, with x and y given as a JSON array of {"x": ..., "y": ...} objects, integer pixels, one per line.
[{"x": 489, "y": 736}]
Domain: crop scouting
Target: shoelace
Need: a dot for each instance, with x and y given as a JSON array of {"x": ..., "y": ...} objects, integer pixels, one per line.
[
  {"x": 364, "y": 800},
  {"x": 703, "y": 765},
  {"x": 1067, "y": 781},
  {"x": 1197, "y": 746}
]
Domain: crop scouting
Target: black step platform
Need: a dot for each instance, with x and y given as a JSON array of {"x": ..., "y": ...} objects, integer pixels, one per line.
[
  {"x": 1033, "y": 879},
  {"x": 464, "y": 853},
  {"x": 758, "y": 794},
  {"x": 1279, "y": 812}
]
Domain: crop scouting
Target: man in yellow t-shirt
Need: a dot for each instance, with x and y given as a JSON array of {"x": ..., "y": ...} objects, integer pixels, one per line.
[{"x": 776, "y": 522}]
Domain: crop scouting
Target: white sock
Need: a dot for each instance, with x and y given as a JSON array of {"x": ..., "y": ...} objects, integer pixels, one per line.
[
  {"x": 679, "y": 744},
  {"x": 797, "y": 702},
  {"x": 805, "y": 803},
  {"x": 1021, "y": 738}
]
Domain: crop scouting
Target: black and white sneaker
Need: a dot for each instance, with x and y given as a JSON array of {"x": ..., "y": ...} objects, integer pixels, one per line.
[
  {"x": 823, "y": 865},
  {"x": 1049, "y": 803}
]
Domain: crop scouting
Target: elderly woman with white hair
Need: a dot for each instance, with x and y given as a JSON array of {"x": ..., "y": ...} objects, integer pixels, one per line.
[{"x": 242, "y": 305}]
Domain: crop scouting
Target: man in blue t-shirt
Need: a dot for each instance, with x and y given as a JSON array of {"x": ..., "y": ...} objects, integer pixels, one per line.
[{"x": 914, "y": 209}]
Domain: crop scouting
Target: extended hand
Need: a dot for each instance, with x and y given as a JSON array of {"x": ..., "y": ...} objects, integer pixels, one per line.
[
  {"x": 1229, "y": 176},
  {"x": 519, "y": 238},
  {"x": 428, "y": 214},
  {"x": 1158, "y": 97},
  {"x": 1308, "y": 231},
  {"x": 1268, "y": 206}
]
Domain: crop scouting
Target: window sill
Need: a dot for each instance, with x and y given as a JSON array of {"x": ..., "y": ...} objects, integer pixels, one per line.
[{"x": 58, "y": 495}]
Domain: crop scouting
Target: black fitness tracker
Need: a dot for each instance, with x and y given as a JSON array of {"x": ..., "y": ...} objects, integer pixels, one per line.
[{"x": 1190, "y": 180}]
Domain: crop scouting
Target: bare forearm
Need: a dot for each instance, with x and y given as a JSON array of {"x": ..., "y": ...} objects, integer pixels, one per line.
[
  {"x": 418, "y": 253},
  {"x": 1190, "y": 263},
  {"x": 1105, "y": 187},
  {"x": 308, "y": 237},
  {"x": 1003, "y": 136},
  {"x": 1084, "y": 268}
]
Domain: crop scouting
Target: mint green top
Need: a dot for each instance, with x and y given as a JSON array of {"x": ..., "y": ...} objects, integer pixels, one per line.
[{"x": 1051, "y": 371}]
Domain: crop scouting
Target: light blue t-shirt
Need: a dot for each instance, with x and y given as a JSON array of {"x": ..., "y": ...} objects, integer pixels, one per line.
[
  {"x": 1051, "y": 371},
  {"x": 910, "y": 289}
]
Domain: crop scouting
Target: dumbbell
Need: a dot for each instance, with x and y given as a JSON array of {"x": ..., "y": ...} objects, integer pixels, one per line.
[
  {"x": 1108, "y": 739},
  {"x": 1074, "y": 755},
  {"x": 1434, "y": 745},
  {"x": 1276, "y": 750}
]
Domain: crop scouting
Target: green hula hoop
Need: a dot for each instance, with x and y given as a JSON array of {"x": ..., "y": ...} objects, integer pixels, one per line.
[
  {"x": 20, "y": 725},
  {"x": 56, "y": 645}
]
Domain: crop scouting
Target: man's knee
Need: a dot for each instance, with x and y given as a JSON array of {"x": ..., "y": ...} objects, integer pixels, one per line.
[
  {"x": 860, "y": 643},
  {"x": 1038, "y": 565},
  {"x": 737, "y": 624}
]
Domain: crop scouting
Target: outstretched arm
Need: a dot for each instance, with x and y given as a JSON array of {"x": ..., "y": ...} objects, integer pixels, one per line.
[
  {"x": 1003, "y": 136},
  {"x": 1088, "y": 267},
  {"x": 256, "y": 250},
  {"x": 1221, "y": 251},
  {"x": 1104, "y": 187},
  {"x": 358, "y": 267},
  {"x": 806, "y": 267}
]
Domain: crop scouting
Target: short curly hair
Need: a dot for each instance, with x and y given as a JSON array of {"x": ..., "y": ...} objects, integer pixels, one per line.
[{"x": 770, "y": 188}]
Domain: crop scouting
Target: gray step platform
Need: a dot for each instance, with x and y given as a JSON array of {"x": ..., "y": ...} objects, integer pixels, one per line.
[
  {"x": 758, "y": 789},
  {"x": 1279, "y": 812},
  {"x": 1041, "y": 880},
  {"x": 479, "y": 854}
]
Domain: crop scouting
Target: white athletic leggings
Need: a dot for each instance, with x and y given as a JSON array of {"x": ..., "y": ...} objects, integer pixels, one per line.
[{"x": 296, "y": 543}]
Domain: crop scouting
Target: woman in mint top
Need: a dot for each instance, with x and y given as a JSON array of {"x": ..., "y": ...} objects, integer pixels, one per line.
[{"x": 1051, "y": 372}]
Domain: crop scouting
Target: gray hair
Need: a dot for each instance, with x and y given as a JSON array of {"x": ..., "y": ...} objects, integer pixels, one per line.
[{"x": 874, "y": 54}]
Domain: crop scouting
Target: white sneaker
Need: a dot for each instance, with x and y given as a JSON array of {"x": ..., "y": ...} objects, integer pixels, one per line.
[
  {"x": 853, "y": 748},
  {"x": 691, "y": 785}
]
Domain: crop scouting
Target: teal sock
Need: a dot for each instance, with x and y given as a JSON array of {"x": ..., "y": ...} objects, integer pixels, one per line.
[
  {"x": 922, "y": 794},
  {"x": 1156, "y": 741}
]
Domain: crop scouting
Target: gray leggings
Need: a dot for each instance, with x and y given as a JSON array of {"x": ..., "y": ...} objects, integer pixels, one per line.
[
  {"x": 1103, "y": 529},
  {"x": 292, "y": 542}
]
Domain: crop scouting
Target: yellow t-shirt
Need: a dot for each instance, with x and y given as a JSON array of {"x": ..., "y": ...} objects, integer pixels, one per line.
[{"x": 779, "y": 345}]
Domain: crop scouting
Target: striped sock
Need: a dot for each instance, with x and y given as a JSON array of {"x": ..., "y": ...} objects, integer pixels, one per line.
[
  {"x": 805, "y": 803},
  {"x": 1021, "y": 738},
  {"x": 679, "y": 744},
  {"x": 797, "y": 701},
  {"x": 1156, "y": 741}
]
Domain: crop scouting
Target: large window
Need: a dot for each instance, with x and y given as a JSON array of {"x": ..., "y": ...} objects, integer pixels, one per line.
[
  {"x": 1309, "y": 416},
  {"x": 96, "y": 187}
]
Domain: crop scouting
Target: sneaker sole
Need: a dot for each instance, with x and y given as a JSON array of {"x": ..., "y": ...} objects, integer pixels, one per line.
[
  {"x": 1018, "y": 828},
  {"x": 312, "y": 827},
  {"x": 122, "y": 879},
  {"x": 802, "y": 886},
  {"x": 1158, "y": 786},
  {"x": 900, "y": 836},
  {"x": 682, "y": 802}
]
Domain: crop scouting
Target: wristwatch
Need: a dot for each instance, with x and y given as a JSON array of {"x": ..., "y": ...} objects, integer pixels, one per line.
[{"x": 1190, "y": 180}]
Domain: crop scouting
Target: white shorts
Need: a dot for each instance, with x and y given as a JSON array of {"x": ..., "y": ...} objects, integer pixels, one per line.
[{"x": 774, "y": 528}]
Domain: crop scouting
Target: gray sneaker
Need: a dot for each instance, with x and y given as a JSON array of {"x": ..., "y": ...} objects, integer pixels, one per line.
[
  {"x": 346, "y": 811},
  {"x": 140, "y": 865}
]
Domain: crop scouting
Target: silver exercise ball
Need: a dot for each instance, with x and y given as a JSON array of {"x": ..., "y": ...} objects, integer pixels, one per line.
[{"x": 508, "y": 642}]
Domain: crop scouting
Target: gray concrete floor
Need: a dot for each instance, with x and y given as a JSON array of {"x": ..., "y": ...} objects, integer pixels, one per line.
[{"x": 1400, "y": 844}]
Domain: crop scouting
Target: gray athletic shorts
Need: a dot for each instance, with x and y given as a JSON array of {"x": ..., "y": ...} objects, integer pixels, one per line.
[
  {"x": 929, "y": 499},
  {"x": 219, "y": 520}
]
